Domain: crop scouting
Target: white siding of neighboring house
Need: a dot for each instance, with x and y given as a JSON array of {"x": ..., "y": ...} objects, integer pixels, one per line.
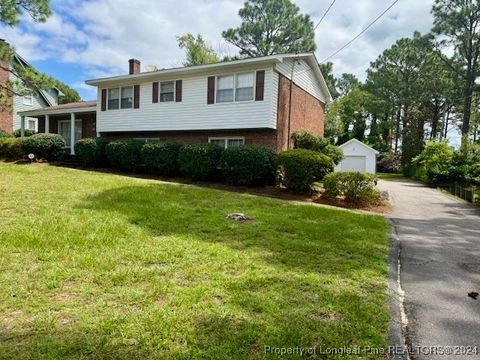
[
  {"x": 193, "y": 113},
  {"x": 303, "y": 76},
  {"x": 52, "y": 96},
  {"x": 38, "y": 102}
]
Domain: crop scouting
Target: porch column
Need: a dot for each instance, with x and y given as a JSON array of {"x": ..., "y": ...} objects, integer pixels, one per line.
[
  {"x": 47, "y": 124},
  {"x": 22, "y": 126},
  {"x": 72, "y": 133}
]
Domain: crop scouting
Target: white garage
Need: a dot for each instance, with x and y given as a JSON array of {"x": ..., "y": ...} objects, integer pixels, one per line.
[{"x": 358, "y": 157}]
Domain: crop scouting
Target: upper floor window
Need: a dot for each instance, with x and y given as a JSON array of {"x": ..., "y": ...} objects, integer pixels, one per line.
[
  {"x": 239, "y": 87},
  {"x": 127, "y": 97},
  {"x": 167, "y": 91},
  {"x": 28, "y": 100},
  {"x": 225, "y": 88},
  {"x": 120, "y": 98},
  {"x": 244, "y": 87}
]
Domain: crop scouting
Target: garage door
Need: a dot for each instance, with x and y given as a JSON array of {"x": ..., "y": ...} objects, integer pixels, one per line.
[{"x": 354, "y": 163}]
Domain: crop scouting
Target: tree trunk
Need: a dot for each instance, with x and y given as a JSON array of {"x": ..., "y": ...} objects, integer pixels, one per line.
[
  {"x": 467, "y": 97},
  {"x": 435, "y": 120},
  {"x": 397, "y": 128},
  {"x": 447, "y": 120}
]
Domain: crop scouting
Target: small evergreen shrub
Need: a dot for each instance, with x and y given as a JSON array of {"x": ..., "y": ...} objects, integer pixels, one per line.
[
  {"x": 92, "y": 151},
  {"x": 124, "y": 154},
  {"x": 18, "y": 133},
  {"x": 161, "y": 158},
  {"x": 200, "y": 161},
  {"x": 249, "y": 165},
  {"x": 355, "y": 187},
  {"x": 11, "y": 148},
  {"x": 4, "y": 134},
  {"x": 306, "y": 140},
  {"x": 50, "y": 147},
  {"x": 302, "y": 168}
]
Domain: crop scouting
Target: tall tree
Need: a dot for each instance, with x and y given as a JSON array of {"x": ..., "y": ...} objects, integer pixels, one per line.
[
  {"x": 197, "y": 50},
  {"x": 327, "y": 72},
  {"x": 272, "y": 27},
  {"x": 347, "y": 82},
  {"x": 459, "y": 22},
  {"x": 11, "y": 10}
]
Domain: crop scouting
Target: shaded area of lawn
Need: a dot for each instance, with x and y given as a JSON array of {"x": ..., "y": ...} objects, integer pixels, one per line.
[
  {"x": 393, "y": 177},
  {"x": 99, "y": 266}
]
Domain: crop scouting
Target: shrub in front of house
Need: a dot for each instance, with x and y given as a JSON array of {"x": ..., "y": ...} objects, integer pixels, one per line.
[
  {"x": 308, "y": 141},
  {"x": 50, "y": 147},
  {"x": 354, "y": 187},
  {"x": 389, "y": 163},
  {"x": 200, "y": 161},
  {"x": 301, "y": 168},
  {"x": 249, "y": 165},
  {"x": 161, "y": 158},
  {"x": 4, "y": 134},
  {"x": 18, "y": 133},
  {"x": 124, "y": 154},
  {"x": 11, "y": 148},
  {"x": 92, "y": 151}
]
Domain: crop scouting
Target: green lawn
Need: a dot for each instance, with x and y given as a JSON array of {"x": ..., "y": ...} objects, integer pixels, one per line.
[
  {"x": 100, "y": 266},
  {"x": 393, "y": 177}
]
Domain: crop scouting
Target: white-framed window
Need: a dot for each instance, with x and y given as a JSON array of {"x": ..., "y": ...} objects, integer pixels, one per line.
[
  {"x": 244, "y": 86},
  {"x": 148, "y": 140},
  {"x": 113, "y": 99},
  {"x": 167, "y": 91},
  {"x": 227, "y": 142},
  {"x": 120, "y": 98},
  {"x": 32, "y": 125},
  {"x": 127, "y": 97},
  {"x": 64, "y": 129},
  {"x": 28, "y": 100},
  {"x": 225, "y": 88}
]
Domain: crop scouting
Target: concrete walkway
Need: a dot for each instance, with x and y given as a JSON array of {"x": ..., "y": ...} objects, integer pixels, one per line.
[{"x": 440, "y": 264}]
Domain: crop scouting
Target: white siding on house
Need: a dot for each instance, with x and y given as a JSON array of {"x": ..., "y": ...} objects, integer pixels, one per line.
[
  {"x": 193, "y": 113},
  {"x": 303, "y": 76}
]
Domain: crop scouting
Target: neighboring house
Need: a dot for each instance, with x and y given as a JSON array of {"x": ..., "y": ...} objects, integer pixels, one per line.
[
  {"x": 9, "y": 117},
  {"x": 358, "y": 157},
  {"x": 249, "y": 101}
]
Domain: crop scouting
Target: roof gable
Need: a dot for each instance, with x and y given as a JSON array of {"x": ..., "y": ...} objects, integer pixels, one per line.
[{"x": 358, "y": 142}]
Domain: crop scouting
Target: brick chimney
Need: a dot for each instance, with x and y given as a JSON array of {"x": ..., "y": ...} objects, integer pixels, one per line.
[
  {"x": 134, "y": 66},
  {"x": 6, "y": 114}
]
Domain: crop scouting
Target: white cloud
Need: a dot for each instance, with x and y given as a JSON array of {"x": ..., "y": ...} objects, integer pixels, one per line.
[{"x": 101, "y": 35}]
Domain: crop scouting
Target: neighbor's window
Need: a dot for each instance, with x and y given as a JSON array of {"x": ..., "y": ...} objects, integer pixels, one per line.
[
  {"x": 167, "y": 90},
  {"x": 31, "y": 124},
  {"x": 28, "y": 100},
  {"x": 227, "y": 142},
  {"x": 113, "y": 99},
  {"x": 244, "y": 87},
  {"x": 225, "y": 88},
  {"x": 127, "y": 97}
]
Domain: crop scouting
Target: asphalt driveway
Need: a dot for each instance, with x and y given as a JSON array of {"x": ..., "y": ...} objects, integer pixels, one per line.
[{"x": 440, "y": 265}]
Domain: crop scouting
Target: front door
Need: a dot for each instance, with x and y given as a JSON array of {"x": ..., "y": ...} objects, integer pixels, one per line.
[{"x": 64, "y": 131}]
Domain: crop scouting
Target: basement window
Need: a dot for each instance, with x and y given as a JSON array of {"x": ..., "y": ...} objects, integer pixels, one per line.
[{"x": 227, "y": 142}]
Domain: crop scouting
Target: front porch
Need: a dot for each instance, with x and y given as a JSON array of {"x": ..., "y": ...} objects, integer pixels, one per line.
[{"x": 72, "y": 121}]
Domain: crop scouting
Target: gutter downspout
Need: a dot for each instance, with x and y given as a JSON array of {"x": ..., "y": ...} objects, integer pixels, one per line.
[{"x": 290, "y": 103}]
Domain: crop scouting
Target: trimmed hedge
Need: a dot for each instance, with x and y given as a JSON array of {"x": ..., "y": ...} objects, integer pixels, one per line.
[
  {"x": 4, "y": 134},
  {"x": 124, "y": 154},
  {"x": 50, "y": 147},
  {"x": 18, "y": 133},
  {"x": 302, "y": 168},
  {"x": 11, "y": 148},
  {"x": 355, "y": 187},
  {"x": 308, "y": 141},
  {"x": 92, "y": 151},
  {"x": 161, "y": 158},
  {"x": 200, "y": 161},
  {"x": 249, "y": 165}
]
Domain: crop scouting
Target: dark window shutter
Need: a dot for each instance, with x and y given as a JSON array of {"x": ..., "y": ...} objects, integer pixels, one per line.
[
  {"x": 104, "y": 99},
  {"x": 260, "y": 86},
  {"x": 136, "y": 96},
  {"x": 178, "y": 90},
  {"x": 211, "y": 90},
  {"x": 155, "y": 92}
]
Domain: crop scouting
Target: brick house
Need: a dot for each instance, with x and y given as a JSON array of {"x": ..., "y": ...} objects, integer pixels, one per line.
[
  {"x": 14, "y": 103},
  {"x": 251, "y": 101}
]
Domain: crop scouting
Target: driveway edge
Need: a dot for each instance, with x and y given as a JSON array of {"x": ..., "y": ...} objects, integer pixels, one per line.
[{"x": 398, "y": 319}]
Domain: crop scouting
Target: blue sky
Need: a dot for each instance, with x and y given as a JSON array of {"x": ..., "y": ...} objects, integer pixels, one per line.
[{"x": 95, "y": 38}]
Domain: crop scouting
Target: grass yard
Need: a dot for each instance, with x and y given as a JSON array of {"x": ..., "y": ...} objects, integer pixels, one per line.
[{"x": 100, "y": 266}]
